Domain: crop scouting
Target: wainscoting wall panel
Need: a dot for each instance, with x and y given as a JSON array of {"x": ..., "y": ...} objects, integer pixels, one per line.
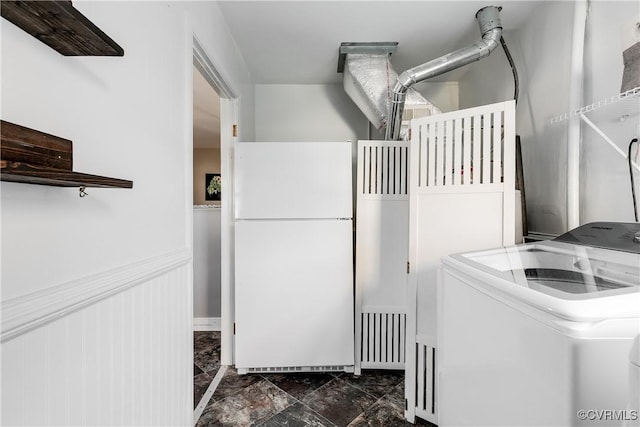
[{"x": 120, "y": 357}]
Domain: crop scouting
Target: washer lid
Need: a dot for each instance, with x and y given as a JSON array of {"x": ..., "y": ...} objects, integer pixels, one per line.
[
  {"x": 571, "y": 281},
  {"x": 619, "y": 236}
]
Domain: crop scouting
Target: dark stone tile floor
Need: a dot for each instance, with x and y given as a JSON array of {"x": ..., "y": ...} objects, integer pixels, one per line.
[
  {"x": 375, "y": 398},
  {"x": 206, "y": 362}
]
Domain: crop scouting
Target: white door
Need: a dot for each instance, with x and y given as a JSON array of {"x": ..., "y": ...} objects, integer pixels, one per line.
[
  {"x": 294, "y": 293},
  {"x": 293, "y": 180}
]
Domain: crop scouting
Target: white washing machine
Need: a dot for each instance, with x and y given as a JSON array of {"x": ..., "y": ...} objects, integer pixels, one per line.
[{"x": 540, "y": 334}]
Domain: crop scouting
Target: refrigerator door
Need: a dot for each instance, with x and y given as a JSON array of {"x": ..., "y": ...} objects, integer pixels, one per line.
[
  {"x": 294, "y": 293},
  {"x": 293, "y": 180}
]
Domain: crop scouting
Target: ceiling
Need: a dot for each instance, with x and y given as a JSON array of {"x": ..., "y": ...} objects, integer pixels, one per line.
[{"x": 297, "y": 42}]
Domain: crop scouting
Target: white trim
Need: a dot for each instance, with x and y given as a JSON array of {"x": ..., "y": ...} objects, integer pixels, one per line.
[
  {"x": 206, "y": 397},
  {"x": 574, "y": 131},
  {"x": 24, "y": 313},
  {"x": 228, "y": 116},
  {"x": 229, "y": 107},
  {"x": 207, "y": 324},
  {"x": 202, "y": 62}
]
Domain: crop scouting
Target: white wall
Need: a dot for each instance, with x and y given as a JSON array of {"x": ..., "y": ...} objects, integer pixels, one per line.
[
  {"x": 604, "y": 177},
  {"x": 542, "y": 51},
  {"x": 444, "y": 95},
  {"x": 306, "y": 113},
  {"x": 325, "y": 112},
  {"x": 128, "y": 117},
  {"x": 206, "y": 262}
]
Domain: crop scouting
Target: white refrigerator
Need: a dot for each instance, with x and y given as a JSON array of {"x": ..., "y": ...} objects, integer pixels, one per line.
[{"x": 293, "y": 257}]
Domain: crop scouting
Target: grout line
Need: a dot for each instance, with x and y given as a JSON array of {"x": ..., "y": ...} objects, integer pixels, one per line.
[
  {"x": 209, "y": 393},
  {"x": 300, "y": 401}
]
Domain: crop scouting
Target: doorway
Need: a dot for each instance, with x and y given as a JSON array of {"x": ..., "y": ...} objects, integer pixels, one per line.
[
  {"x": 215, "y": 120},
  {"x": 207, "y": 205}
]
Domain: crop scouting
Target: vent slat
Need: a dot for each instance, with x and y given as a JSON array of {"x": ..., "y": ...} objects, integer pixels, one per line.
[
  {"x": 486, "y": 149},
  {"x": 466, "y": 151},
  {"x": 384, "y": 168},
  {"x": 448, "y": 142},
  {"x": 382, "y": 339},
  {"x": 497, "y": 148},
  {"x": 457, "y": 152}
]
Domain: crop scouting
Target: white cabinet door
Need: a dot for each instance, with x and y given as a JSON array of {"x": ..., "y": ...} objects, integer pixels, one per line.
[
  {"x": 294, "y": 293},
  {"x": 293, "y": 180}
]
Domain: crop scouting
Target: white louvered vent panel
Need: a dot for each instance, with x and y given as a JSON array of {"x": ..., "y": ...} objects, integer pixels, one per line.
[
  {"x": 383, "y": 340},
  {"x": 461, "y": 199},
  {"x": 384, "y": 169},
  {"x": 425, "y": 397},
  {"x": 382, "y": 219},
  {"x": 461, "y": 151}
]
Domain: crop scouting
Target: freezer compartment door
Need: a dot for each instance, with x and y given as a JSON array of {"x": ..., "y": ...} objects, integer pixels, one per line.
[
  {"x": 293, "y": 180},
  {"x": 294, "y": 293}
]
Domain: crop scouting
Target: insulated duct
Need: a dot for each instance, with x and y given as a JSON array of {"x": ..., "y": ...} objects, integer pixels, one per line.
[
  {"x": 491, "y": 30},
  {"x": 367, "y": 79}
]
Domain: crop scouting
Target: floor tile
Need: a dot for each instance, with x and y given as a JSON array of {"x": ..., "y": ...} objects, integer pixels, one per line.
[
  {"x": 381, "y": 414},
  {"x": 203, "y": 340},
  {"x": 200, "y": 385},
  {"x": 297, "y": 415},
  {"x": 339, "y": 401},
  {"x": 249, "y": 406},
  {"x": 375, "y": 398},
  {"x": 233, "y": 383},
  {"x": 299, "y": 385},
  {"x": 208, "y": 360},
  {"x": 376, "y": 382},
  {"x": 196, "y": 370}
]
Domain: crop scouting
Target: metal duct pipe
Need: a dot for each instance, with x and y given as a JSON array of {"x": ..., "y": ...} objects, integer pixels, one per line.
[
  {"x": 491, "y": 30},
  {"x": 367, "y": 79}
]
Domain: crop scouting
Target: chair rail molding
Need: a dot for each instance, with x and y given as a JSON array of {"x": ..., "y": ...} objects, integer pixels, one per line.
[{"x": 27, "y": 312}]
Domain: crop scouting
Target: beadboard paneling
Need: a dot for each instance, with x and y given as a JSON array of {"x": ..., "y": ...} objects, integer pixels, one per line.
[{"x": 123, "y": 360}]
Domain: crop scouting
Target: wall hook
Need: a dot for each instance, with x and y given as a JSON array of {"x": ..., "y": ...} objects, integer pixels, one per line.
[{"x": 82, "y": 191}]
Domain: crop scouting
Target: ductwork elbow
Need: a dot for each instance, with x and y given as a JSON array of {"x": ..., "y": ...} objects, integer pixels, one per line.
[{"x": 491, "y": 29}]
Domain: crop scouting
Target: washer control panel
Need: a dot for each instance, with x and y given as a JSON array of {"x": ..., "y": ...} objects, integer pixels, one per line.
[{"x": 619, "y": 236}]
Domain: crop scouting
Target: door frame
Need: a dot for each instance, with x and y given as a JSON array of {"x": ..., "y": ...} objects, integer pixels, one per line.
[{"x": 229, "y": 119}]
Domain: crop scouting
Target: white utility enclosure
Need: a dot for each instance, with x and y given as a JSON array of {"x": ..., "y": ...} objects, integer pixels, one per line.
[
  {"x": 451, "y": 189},
  {"x": 461, "y": 197}
]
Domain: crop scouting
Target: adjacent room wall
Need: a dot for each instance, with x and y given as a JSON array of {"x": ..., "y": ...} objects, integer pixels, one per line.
[
  {"x": 97, "y": 292},
  {"x": 206, "y": 268},
  {"x": 205, "y": 160},
  {"x": 206, "y": 243},
  {"x": 542, "y": 52}
]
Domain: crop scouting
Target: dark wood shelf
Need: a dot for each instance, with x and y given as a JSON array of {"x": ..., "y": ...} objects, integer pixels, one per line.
[
  {"x": 42, "y": 175},
  {"x": 33, "y": 157},
  {"x": 60, "y": 26}
]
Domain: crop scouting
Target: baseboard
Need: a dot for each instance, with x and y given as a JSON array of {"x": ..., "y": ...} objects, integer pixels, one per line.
[{"x": 207, "y": 324}]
